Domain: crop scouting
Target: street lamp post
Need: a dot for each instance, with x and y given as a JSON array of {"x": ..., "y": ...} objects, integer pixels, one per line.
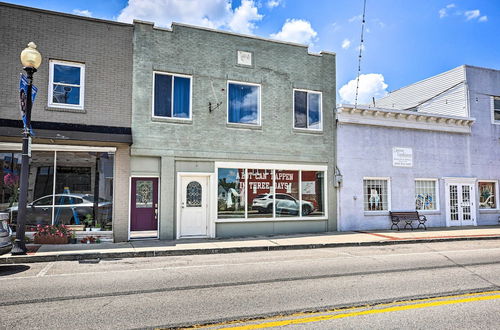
[{"x": 31, "y": 60}]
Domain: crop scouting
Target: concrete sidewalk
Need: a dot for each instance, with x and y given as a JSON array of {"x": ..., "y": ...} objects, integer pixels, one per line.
[{"x": 151, "y": 248}]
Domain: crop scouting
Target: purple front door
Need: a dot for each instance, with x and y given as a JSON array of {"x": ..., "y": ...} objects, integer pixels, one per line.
[{"x": 144, "y": 204}]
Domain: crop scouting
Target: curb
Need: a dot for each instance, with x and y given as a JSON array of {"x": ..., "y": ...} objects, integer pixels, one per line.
[{"x": 185, "y": 252}]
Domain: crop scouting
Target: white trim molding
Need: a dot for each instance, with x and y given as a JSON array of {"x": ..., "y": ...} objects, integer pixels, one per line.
[
  {"x": 364, "y": 115},
  {"x": 55, "y": 147}
]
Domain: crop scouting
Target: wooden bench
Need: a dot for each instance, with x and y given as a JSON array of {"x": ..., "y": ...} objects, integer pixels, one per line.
[{"x": 408, "y": 217}]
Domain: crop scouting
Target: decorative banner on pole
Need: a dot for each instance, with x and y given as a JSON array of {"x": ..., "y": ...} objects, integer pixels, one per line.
[{"x": 23, "y": 98}]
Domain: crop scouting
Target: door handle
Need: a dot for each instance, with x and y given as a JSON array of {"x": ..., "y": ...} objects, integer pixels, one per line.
[{"x": 182, "y": 204}]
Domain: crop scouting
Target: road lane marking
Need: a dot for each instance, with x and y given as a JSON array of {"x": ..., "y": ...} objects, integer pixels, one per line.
[
  {"x": 411, "y": 304},
  {"x": 45, "y": 269}
]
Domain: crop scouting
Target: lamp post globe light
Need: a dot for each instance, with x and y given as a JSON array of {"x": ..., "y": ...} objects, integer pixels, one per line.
[{"x": 31, "y": 60}]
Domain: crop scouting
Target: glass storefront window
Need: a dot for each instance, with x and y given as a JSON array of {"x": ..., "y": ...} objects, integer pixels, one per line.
[
  {"x": 313, "y": 201},
  {"x": 78, "y": 192},
  {"x": 260, "y": 193},
  {"x": 487, "y": 192},
  {"x": 287, "y": 194},
  {"x": 270, "y": 193},
  {"x": 231, "y": 193},
  {"x": 10, "y": 170}
]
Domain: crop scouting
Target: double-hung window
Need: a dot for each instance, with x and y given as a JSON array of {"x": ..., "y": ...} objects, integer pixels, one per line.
[
  {"x": 426, "y": 196},
  {"x": 243, "y": 101},
  {"x": 496, "y": 109},
  {"x": 66, "y": 84},
  {"x": 307, "y": 109},
  {"x": 172, "y": 96}
]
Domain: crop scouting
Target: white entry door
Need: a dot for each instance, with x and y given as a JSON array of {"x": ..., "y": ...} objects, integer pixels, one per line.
[
  {"x": 194, "y": 206},
  {"x": 460, "y": 204}
]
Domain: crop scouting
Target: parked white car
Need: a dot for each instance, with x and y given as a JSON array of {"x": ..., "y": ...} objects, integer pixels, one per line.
[{"x": 285, "y": 204}]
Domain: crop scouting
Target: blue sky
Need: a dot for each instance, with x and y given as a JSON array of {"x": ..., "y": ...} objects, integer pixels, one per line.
[{"x": 404, "y": 41}]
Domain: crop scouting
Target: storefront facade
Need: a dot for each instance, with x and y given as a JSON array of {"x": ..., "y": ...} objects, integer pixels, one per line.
[
  {"x": 440, "y": 157},
  {"x": 81, "y": 119},
  {"x": 241, "y": 147}
]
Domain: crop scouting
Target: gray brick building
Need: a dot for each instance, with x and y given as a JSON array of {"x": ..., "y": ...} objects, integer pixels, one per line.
[
  {"x": 81, "y": 118},
  {"x": 233, "y": 135}
]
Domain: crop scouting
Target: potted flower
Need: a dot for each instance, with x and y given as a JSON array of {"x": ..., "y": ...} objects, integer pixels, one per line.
[
  {"x": 52, "y": 234},
  {"x": 89, "y": 219},
  {"x": 88, "y": 239},
  {"x": 72, "y": 238}
]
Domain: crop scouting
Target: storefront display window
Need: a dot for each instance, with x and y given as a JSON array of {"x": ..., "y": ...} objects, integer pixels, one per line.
[
  {"x": 260, "y": 193},
  {"x": 487, "y": 195},
  {"x": 271, "y": 193},
  {"x": 376, "y": 195},
  {"x": 10, "y": 170},
  {"x": 231, "y": 193},
  {"x": 312, "y": 193},
  {"x": 287, "y": 194},
  {"x": 425, "y": 195},
  {"x": 78, "y": 192}
]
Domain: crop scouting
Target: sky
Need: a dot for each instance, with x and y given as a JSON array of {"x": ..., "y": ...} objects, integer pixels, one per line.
[{"x": 404, "y": 41}]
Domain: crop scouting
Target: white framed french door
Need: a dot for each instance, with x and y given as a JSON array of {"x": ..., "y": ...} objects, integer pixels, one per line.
[{"x": 460, "y": 202}]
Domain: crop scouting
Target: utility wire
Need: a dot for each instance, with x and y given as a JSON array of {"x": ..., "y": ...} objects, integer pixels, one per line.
[{"x": 360, "y": 53}]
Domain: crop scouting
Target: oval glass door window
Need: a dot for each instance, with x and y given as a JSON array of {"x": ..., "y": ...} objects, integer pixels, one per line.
[{"x": 193, "y": 194}]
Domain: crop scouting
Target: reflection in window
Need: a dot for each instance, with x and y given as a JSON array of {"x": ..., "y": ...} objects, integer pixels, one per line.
[
  {"x": 172, "y": 96},
  {"x": 231, "y": 193},
  {"x": 10, "y": 171},
  {"x": 270, "y": 193},
  {"x": 425, "y": 195},
  {"x": 287, "y": 194},
  {"x": 193, "y": 194},
  {"x": 260, "y": 193},
  {"x": 313, "y": 200},
  {"x": 66, "y": 83},
  {"x": 375, "y": 195},
  {"x": 243, "y": 103},
  {"x": 307, "y": 110},
  {"x": 487, "y": 191}
]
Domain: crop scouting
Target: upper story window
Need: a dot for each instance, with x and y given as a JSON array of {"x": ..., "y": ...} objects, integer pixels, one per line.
[
  {"x": 243, "y": 101},
  {"x": 307, "y": 109},
  {"x": 172, "y": 96},
  {"x": 496, "y": 109},
  {"x": 66, "y": 84}
]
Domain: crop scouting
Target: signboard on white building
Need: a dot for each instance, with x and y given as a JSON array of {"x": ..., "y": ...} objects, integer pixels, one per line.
[{"x": 402, "y": 157}]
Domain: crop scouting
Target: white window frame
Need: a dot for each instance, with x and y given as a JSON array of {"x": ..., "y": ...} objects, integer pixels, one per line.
[
  {"x": 307, "y": 110},
  {"x": 81, "y": 86},
  {"x": 259, "y": 123},
  {"x": 437, "y": 202},
  {"x": 497, "y": 191},
  {"x": 172, "y": 96},
  {"x": 389, "y": 195},
  {"x": 496, "y": 122},
  {"x": 273, "y": 167}
]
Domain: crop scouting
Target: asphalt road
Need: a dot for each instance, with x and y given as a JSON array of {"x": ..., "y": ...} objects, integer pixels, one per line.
[{"x": 358, "y": 283}]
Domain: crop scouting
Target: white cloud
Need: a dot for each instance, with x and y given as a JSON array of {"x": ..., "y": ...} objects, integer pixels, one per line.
[
  {"x": 208, "y": 13},
  {"x": 471, "y": 14},
  {"x": 244, "y": 16},
  {"x": 370, "y": 85},
  {"x": 296, "y": 30},
  {"x": 346, "y": 44},
  {"x": 483, "y": 19},
  {"x": 273, "y": 3},
  {"x": 443, "y": 12},
  {"x": 84, "y": 12},
  {"x": 355, "y": 18}
]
